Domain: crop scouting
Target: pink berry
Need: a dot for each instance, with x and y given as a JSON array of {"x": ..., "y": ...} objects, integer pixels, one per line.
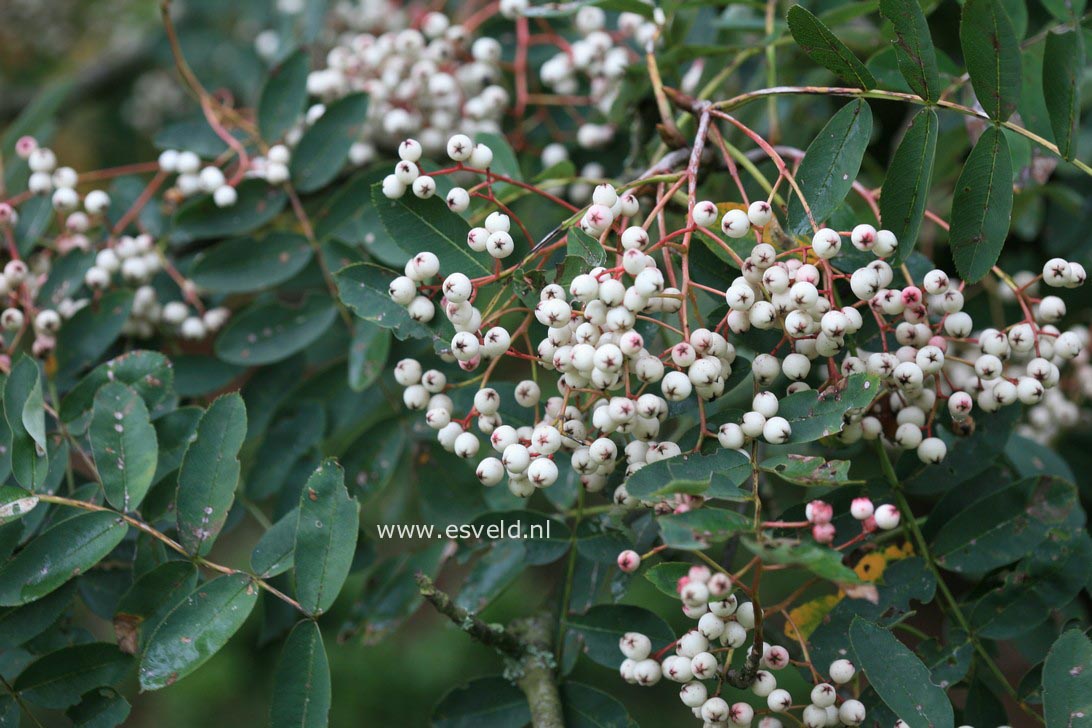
[
  {"x": 819, "y": 512},
  {"x": 861, "y": 508},
  {"x": 628, "y": 561}
]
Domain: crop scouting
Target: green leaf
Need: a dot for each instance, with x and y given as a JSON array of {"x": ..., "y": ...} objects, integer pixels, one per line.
[
  {"x": 967, "y": 456},
  {"x": 326, "y": 536},
  {"x": 603, "y": 626},
  {"x": 367, "y": 354},
  {"x": 85, "y": 337},
  {"x": 665, "y": 576},
  {"x": 15, "y": 503},
  {"x": 65, "y": 276},
  {"x": 1047, "y": 578},
  {"x": 823, "y": 47},
  {"x": 1004, "y": 526},
  {"x": 697, "y": 529},
  {"x": 201, "y": 375},
  {"x": 1067, "y": 681},
  {"x": 24, "y": 411},
  {"x": 913, "y": 46},
  {"x": 19, "y": 625},
  {"x": 301, "y": 686},
  {"x": 992, "y": 54},
  {"x": 546, "y": 539},
  {"x": 485, "y": 702},
  {"x": 691, "y": 474},
  {"x": 497, "y": 569},
  {"x": 376, "y": 456},
  {"x": 830, "y": 166},
  {"x": 123, "y": 443},
  {"x": 1063, "y": 64},
  {"x": 284, "y": 93},
  {"x": 209, "y": 474},
  {"x": 58, "y": 679},
  {"x": 242, "y": 265},
  {"x": 1065, "y": 9},
  {"x": 322, "y": 150},
  {"x": 585, "y": 247},
  {"x": 196, "y": 630},
  {"x": 276, "y": 550},
  {"x": 899, "y": 677},
  {"x": 147, "y": 372},
  {"x": 807, "y": 470},
  {"x": 822, "y": 561},
  {"x": 269, "y": 331},
  {"x": 149, "y": 600},
  {"x": 982, "y": 206},
  {"x": 66, "y": 550},
  {"x": 174, "y": 431},
  {"x": 102, "y": 707},
  {"x": 363, "y": 288},
  {"x": 390, "y": 594},
  {"x": 293, "y": 436},
  {"x": 200, "y": 218},
  {"x": 587, "y": 707},
  {"x": 415, "y": 225},
  {"x": 813, "y": 414},
  {"x": 35, "y": 114},
  {"x": 906, "y": 186}
]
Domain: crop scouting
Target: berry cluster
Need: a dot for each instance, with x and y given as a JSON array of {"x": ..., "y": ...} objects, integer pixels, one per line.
[
  {"x": 703, "y": 656},
  {"x": 117, "y": 261},
  {"x": 820, "y": 516},
  {"x": 193, "y": 178},
  {"x": 425, "y": 81},
  {"x": 617, "y": 379},
  {"x": 596, "y": 64}
]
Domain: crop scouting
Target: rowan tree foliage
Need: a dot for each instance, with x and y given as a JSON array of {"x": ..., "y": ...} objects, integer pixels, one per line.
[{"x": 761, "y": 324}]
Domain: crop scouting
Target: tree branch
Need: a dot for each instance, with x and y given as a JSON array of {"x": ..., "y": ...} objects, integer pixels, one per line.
[{"x": 526, "y": 644}]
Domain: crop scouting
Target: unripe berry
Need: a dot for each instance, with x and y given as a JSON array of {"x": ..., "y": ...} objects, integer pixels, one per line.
[
  {"x": 693, "y": 694},
  {"x": 760, "y": 213},
  {"x": 823, "y": 532},
  {"x": 647, "y": 672},
  {"x": 842, "y": 671},
  {"x": 460, "y": 147},
  {"x": 824, "y": 695},
  {"x": 776, "y": 431},
  {"x": 714, "y": 710},
  {"x": 628, "y": 561},
  {"x": 745, "y": 615},
  {"x": 826, "y": 243},
  {"x": 741, "y": 714},
  {"x": 704, "y": 213},
  {"x": 852, "y": 712},
  {"x": 887, "y": 517},
  {"x": 490, "y": 471},
  {"x": 692, "y": 644},
  {"x": 861, "y": 508},
  {"x": 735, "y": 223},
  {"x": 818, "y": 511},
  {"x": 635, "y": 645},
  {"x": 814, "y": 717},
  {"x": 779, "y": 700},
  {"x": 704, "y": 665},
  {"x": 932, "y": 450},
  {"x": 764, "y": 684},
  {"x": 711, "y": 626}
]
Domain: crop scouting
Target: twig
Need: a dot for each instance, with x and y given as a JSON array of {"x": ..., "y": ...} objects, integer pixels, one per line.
[{"x": 526, "y": 644}]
